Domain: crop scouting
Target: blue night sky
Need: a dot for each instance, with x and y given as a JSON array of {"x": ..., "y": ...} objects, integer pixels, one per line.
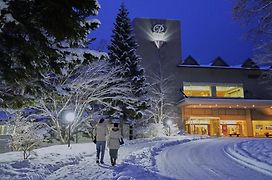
[{"x": 208, "y": 29}]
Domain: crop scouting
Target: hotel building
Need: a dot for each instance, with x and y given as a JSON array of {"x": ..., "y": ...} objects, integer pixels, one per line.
[{"x": 215, "y": 99}]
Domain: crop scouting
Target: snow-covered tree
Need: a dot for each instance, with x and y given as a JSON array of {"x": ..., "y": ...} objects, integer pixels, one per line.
[
  {"x": 31, "y": 33},
  {"x": 162, "y": 108},
  {"x": 122, "y": 52},
  {"x": 26, "y": 134},
  {"x": 257, "y": 16},
  {"x": 82, "y": 91}
]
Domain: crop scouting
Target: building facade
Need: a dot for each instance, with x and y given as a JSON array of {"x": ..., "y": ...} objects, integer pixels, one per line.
[{"x": 215, "y": 99}]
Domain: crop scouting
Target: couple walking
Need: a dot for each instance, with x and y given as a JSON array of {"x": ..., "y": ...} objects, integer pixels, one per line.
[{"x": 113, "y": 139}]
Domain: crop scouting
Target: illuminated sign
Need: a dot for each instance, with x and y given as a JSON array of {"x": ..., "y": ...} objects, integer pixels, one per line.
[
  {"x": 158, "y": 34},
  {"x": 158, "y": 28}
]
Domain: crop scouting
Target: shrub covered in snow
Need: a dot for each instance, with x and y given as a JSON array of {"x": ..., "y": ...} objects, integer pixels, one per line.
[{"x": 26, "y": 135}]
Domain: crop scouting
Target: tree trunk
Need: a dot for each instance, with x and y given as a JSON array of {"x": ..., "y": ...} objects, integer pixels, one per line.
[
  {"x": 122, "y": 124},
  {"x": 130, "y": 132}
]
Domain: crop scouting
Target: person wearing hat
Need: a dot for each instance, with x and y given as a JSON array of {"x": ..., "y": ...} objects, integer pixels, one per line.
[
  {"x": 113, "y": 143},
  {"x": 101, "y": 131}
]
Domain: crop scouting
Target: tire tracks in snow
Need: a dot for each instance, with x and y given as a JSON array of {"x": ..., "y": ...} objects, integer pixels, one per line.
[{"x": 248, "y": 162}]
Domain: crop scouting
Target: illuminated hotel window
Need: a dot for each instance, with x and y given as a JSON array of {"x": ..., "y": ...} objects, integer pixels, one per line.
[
  {"x": 260, "y": 128},
  {"x": 196, "y": 89},
  {"x": 230, "y": 91}
]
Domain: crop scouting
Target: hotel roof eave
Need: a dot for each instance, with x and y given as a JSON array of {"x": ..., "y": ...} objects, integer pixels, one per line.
[
  {"x": 265, "y": 68},
  {"x": 242, "y": 102}
]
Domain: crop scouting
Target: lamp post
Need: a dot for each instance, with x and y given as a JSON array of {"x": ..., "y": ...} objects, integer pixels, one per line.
[
  {"x": 169, "y": 123},
  {"x": 70, "y": 116}
]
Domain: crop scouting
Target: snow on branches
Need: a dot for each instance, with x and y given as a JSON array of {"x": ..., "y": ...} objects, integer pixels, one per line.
[
  {"x": 82, "y": 91},
  {"x": 25, "y": 134},
  {"x": 162, "y": 109}
]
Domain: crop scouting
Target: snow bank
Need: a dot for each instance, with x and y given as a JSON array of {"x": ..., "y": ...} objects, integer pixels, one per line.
[
  {"x": 254, "y": 153},
  {"x": 261, "y": 152},
  {"x": 43, "y": 162}
]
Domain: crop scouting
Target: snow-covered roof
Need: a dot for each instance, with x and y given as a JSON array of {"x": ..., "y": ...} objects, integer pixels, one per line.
[
  {"x": 190, "y": 61},
  {"x": 220, "y": 63},
  {"x": 264, "y": 67},
  {"x": 249, "y": 63}
]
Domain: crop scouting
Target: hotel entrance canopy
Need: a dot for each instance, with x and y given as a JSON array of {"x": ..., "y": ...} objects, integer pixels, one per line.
[{"x": 225, "y": 103}]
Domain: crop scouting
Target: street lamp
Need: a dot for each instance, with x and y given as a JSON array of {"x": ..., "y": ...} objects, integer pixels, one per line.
[
  {"x": 70, "y": 116},
  {"x": 169, "y": 123}
]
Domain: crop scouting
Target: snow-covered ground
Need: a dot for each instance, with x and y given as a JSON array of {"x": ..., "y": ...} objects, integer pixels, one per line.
[
  {"x": 253, "y": 153},
  {"x": 217, "y": 158},
  {"x": 152, "y": 158}
]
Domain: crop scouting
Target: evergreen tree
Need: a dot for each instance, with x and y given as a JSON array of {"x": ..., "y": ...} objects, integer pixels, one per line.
[
  {"x": 31, "y": 33},
  {"x": 122, "y": 52}
]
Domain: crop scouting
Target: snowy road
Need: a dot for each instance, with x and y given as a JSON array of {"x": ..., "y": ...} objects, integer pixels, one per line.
[{"x": 205, "y": 159}]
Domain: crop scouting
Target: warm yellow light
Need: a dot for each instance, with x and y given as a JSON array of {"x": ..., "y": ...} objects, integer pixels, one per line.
[
  {"x": 237, "y": 105},
  {"x": 245, "y": 107},
  {"x": 230, "y": 107},
  {"x": 199, "y": 104},
  {"x": 271, "y": 107},
  {"x": 216, "y": 105},
  {"x": 253, "y": 105},
  {"x": 197, "y": 88}
]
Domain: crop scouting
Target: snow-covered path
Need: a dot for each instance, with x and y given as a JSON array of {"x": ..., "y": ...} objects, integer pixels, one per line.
[
  {"x": 205, "y": 159},
  {"x": 161, "y": 158},
  {"x": 130, "y": 154}
]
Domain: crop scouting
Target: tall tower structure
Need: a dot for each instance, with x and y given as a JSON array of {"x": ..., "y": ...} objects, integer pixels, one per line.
[{"x": 160, "y": 48}]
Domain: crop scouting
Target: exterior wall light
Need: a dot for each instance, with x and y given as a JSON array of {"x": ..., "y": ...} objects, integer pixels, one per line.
[{"x": 158, "y": 35}]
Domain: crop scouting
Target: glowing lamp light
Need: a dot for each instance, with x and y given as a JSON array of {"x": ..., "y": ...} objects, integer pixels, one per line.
[
  {"x": 169, "y": 122},
  {"x": 70, "y": 116}
]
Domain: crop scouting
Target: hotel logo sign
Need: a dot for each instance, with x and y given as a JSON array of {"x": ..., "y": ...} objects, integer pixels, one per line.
[
  {"x": 158, "y": 28},
  {"x": 158, "y": 34}
]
